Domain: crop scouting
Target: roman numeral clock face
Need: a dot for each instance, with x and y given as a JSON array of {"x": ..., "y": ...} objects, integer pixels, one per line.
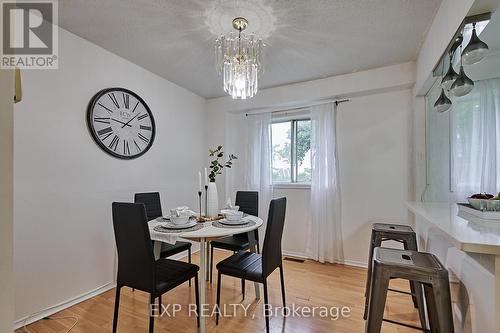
[{"x": 121, "y": 123}]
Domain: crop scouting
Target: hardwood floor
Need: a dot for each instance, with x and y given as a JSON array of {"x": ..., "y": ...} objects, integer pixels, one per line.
[{"x": 307, "y": 284}]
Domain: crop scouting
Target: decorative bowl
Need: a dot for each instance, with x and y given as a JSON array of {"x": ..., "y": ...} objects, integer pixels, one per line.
[
  {"x": 179, "y": 220},
  {"x": 479, "y": 204},
  {"x": 234, "y": 216}
]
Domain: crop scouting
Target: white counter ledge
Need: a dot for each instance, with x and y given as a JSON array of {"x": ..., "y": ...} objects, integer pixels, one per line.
[
  {"x": 471, "y": 253},
  {"x": 466, "y": 235}
]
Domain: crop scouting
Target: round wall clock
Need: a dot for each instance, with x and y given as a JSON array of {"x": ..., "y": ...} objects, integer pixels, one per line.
[{"x": 121, "y": 123}]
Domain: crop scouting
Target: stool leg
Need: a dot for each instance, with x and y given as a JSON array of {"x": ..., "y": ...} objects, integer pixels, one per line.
[
  {"x": 431, "y": 309},
  {"x": 420, "y": 303},
  {"x": 378, "y": 294},
  {"x": 411, "y": 244},
  {"x": 373, "y": 243},
  {"x": 442, "y": 300}
]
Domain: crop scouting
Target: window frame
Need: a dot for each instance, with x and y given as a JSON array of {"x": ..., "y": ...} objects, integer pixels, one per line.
[{"x": 293, "y": 183}]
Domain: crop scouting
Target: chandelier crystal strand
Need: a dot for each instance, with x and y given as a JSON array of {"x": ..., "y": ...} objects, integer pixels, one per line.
[{"x": 239, "y": 61}]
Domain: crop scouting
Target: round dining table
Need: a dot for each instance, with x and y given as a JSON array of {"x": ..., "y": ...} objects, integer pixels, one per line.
[{"x": 203, "y": 235}]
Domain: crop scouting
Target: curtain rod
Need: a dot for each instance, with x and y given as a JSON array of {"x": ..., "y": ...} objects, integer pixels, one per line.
[{"x": 296, "y": 107}]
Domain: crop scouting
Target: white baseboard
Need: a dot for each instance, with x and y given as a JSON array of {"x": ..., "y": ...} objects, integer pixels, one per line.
[
  {"x": 293, "y": 254},
  {"x": 301, "y": 255},
  {"x": 354, "y": 263},
  {"x": 63, "y": 305}
]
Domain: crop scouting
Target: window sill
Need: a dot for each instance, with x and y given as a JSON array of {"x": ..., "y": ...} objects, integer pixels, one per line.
[{"x": 292, "y": 186}]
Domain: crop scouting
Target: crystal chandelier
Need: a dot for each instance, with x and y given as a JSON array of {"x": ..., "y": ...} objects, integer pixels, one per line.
[{"x": 239, "y": 61}]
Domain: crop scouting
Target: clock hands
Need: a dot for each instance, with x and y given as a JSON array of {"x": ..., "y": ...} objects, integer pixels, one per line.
[
  {"x": 121, "y": 122},
  {"x": 127, "y": 123}
]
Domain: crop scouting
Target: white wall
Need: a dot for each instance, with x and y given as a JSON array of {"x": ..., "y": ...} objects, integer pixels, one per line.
[
  {"x": 374, "y": 150},
  {"x": 64, "y": 183},
  {"x": 6, "y": 203},
  {"x": 373, "y": 155}
]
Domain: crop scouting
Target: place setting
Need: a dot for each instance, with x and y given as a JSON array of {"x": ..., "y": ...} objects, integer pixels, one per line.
[
  {"x": 181, "y": 219},
  {"x": 232, "y": 217}
]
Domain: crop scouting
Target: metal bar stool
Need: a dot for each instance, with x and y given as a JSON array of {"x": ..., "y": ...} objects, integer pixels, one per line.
[
  {"x": 404, "y": 234},
  {"x": 424, "y": 268}
]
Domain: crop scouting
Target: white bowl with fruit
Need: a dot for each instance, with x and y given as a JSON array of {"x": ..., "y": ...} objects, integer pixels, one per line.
[{"x": 485, "y": 202}]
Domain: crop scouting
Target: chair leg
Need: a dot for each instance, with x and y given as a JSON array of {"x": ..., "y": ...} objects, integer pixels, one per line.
[
  {"x": 189, "y": 260},
  {"x": 211, "y": 262},
  {"x": 117, "y": 305},
  {"x": 219, "y": 279},
  {"x": 197, "y": 297},
  {"x": 243, "y": 288},
  {"x": 282, "y": 276},
  {"x": 151, "y": 315},
  {"x": 159, "y": 304},
  {"x": 266, "y": 304}
]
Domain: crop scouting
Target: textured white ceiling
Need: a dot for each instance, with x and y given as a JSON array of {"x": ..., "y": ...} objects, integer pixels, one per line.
[{"x": 307, "y": 39}]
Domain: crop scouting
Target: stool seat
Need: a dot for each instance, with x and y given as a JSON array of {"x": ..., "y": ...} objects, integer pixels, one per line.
[
  {"x": 418, "y": 261},
  {"x": 421, "y": 268},
  {"x": 393, "y": 228}
]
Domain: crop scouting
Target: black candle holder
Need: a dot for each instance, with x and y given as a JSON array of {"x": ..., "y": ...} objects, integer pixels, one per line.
[
  {"x": 199, "y": 199},
  {"x": 206, "y": 200}
]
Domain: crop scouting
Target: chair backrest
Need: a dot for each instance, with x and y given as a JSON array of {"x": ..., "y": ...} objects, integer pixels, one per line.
[
  {"x": 136, "y": 263},
  {"x": 152, "y": 203},
  {"x": 248, "y": 202},
  {"x": 271, "y": 251}
]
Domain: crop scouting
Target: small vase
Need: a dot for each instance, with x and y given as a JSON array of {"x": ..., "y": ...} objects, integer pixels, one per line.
[{"x": 212, "y": 200}]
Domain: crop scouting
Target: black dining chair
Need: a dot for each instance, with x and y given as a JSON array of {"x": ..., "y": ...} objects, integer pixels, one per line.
[
  {"x": 152, "y": 203},
  {"x": 249, "y": 204},
  {"x": 137, "y": 267},
  {"x": 257, "y": 267}
]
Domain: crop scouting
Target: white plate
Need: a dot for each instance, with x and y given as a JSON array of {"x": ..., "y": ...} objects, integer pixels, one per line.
[
  {"x": 238, "y": 222},
  {"x": 171, "y": 225}
]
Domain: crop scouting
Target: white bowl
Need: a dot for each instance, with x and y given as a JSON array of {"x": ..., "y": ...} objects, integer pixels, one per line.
[
  {"x": 479, "y": 204},
  {"x": 235, "y": 216},
  {"x": 179, "y": 220}
]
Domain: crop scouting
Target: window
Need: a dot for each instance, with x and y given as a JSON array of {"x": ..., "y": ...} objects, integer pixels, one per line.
[{"x": 291, "y": 155}]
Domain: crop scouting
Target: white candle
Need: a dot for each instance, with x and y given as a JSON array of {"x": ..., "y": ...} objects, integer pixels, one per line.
[
  {"x": 206, "y": 177},
  {"x": 199, "y": 180}
]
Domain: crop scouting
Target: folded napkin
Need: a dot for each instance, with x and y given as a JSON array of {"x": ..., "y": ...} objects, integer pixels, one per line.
[
  {"x": 182, "y": 211},
  {"x": 229, "y": 212}
]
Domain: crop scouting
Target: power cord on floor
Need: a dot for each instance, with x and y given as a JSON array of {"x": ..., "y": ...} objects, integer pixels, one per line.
[{"x": 75, "y": 318}]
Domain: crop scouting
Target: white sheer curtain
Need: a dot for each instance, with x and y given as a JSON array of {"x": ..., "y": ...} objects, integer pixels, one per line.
[
  {"x": 324, "y": 239},
  {"x": 476, "y": 140},
  {"x": 259, "y": 176}
]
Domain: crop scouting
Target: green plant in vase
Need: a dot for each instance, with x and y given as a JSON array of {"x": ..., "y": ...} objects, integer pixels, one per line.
[{"x": 216, "y": 166}]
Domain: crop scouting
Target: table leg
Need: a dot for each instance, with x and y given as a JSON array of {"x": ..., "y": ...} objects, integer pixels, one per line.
[
  {"x": 253, "y": 248},
  {"x": 207, "y": 261},
  {"x": 157, "y": 249},
  {"x": 203, "y": 268}
]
